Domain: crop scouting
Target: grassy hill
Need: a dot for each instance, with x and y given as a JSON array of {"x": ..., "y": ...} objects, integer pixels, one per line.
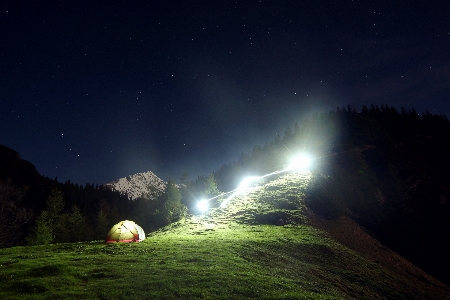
[
  {"x": 266, "y": 244},
  {"x": 379, "y": 169}
]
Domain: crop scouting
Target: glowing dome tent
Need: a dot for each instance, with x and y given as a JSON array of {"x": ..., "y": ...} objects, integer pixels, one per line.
[{"x": 125, "y": 232}]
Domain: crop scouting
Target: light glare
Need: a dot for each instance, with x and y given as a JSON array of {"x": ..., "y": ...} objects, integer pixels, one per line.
[
  {"x": 203, "y": 205},
  {"x": 247, "y": 182},
  {"x": 301, "y": 162}
]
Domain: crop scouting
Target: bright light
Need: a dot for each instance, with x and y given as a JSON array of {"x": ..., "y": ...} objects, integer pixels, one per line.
[
  {"x": 225, "y": 202},
  {"x": 247, "y": 182},
  {"x": 203, "y": 205},
  {"x": 301, "y": 162}
]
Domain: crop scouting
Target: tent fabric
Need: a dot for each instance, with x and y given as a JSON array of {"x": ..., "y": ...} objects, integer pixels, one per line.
[{"x": 125, "y": 232}]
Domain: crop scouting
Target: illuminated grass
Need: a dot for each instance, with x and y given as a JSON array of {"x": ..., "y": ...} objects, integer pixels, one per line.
[{"x": 230, "y": 254}]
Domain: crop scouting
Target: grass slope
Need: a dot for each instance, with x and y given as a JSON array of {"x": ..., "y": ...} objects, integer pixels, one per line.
[{"x": 234, "y": 253}]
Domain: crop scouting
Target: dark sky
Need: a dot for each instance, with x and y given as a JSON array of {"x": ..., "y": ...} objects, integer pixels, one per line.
[{"x": 92, "y": 91}]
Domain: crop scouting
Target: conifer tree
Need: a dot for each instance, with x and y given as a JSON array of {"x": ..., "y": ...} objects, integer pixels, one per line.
[
  {"x": 173, "y": 209},
  {"x": 211, "y": 189},
  {"x": 49, "y": 221},
  {"x": 102, "y": 225},
  {"x": 12, "y": 215},
  {"x": 53, "y": 225},
  {"x": 73, "y": 227},
  {"x": 42, "y": 234}
]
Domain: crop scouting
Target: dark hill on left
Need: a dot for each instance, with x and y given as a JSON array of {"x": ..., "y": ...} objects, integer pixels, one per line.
[
  {"x": 24, "y": 194},
  {"x": 20, "y": 171}
]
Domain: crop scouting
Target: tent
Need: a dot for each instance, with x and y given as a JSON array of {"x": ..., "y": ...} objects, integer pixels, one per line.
[{"x": 125, "y": 232}]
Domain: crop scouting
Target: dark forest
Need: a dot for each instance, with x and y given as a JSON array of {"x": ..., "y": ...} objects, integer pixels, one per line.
[{"x": 384, "y": 168}]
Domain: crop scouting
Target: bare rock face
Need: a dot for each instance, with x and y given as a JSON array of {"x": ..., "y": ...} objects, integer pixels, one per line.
[{"x": 145, "y": 184}]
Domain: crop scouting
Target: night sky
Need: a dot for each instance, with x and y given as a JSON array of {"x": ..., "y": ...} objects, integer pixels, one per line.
[{"x": 92, "y": 91}]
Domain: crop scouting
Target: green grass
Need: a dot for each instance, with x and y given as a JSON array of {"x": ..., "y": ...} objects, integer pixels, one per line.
[{"x": 234, "y": 253}]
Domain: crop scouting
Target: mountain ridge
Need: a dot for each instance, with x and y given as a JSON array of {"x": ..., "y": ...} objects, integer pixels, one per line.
[{"x": 145, "y": 184}]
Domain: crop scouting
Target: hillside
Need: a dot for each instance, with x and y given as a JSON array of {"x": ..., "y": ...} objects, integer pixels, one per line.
[
  {"x": 266, "y": 244},
  {"x": 379, "y": 181},
  {"x": 24, "y": 193},
  {"x": 384, "y": 169}
]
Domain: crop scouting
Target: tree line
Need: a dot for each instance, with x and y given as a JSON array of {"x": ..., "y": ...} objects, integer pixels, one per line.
[
  {"x": 41, "y": 210},
  {"x": 385, "y": 168}
]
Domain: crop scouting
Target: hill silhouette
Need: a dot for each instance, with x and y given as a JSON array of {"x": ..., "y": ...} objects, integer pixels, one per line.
[
  {"x": 265, "y": 244},
  {"x": 379, "y": 173},
  {"x": 384, "y": 169}
]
